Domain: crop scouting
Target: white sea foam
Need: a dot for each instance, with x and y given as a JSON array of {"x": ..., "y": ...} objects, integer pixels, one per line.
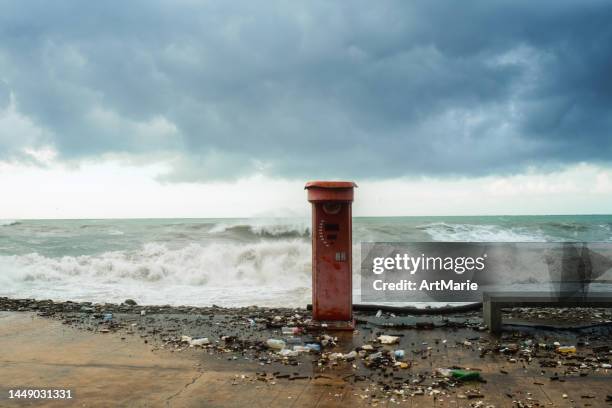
[
  {"x": 7, "y": 223},
  {"x": 441, "y": 231},
  {"x": 232, "y": 274}
]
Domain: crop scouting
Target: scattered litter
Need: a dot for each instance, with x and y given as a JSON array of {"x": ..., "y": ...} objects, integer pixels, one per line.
[
  {"x": 384, "y": 339},
  {"x": 281, "y": 339}
]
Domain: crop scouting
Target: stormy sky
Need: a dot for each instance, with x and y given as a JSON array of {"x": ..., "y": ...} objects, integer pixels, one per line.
[{"x": 218, "y": 92}]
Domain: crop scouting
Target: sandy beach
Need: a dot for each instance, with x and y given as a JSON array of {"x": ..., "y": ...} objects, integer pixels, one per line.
[{"x": 139, "y": 357}]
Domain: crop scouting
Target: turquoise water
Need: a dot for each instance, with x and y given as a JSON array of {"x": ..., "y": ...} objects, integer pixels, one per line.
[{"x": 230, "y": 262}]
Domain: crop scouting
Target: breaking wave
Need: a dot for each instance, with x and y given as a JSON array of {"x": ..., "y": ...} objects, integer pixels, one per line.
[
  {"x": 8, "y": 223},
  {"x": 265, "y": 230},
  {"x": 441, "y": 231},
  {"x": 216, "y": 264},
  {"x": 269, "y": 272}
]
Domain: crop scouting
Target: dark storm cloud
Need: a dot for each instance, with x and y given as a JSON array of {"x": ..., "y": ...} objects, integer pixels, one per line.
[{"x": 317, "y": 89}]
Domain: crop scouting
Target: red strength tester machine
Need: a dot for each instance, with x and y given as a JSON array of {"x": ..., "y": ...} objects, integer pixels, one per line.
[{"x": 332, "y": 286}]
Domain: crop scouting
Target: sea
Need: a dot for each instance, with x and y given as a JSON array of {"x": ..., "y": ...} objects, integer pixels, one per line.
[{"x": 226, "y": 262}]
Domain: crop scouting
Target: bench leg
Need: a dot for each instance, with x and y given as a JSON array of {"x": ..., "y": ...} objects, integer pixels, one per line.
[{"x": 492, "y": 316}]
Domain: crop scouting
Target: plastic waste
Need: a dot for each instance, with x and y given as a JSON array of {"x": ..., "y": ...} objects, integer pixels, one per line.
[
  {"x": 444, "y": 372},
  {"x": 335, "y": 356},
  {"x": 275, "y": 344},
  {"x": 313, "y": 347},
  {"x": 108, "y": 317},
  {"x": 288, "y": 353},
  {"x": 461, "y": 375},
  {"x": 293, "y": 340},
  {"x": 379, "y": 313},
  {"x": 301, "y": 349},
  {"x": 200, "y": 341},
  {"x": 566, "y": 349},
  {"x": 374, "y": 356},
  {"x": 384, "y": 339},
  {"x": 290, "y": 330},
  {"x": 328, "y": 340},
  {"x": 399, "y": 354}
]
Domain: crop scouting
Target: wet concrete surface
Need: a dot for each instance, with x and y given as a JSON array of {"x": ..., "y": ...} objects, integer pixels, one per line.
[{"x": 127, "y": 355}]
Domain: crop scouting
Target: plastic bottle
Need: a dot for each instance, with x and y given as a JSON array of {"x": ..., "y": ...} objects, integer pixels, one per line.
[
  {"x": 275, "y": 344},
  {"x": 201, "y": 341},
  {"x": 287, "y": 331},
  {"x": 313, "y": 346},
  {"x": 461, "y": 375},
  {"x": 465, "y": 375}
]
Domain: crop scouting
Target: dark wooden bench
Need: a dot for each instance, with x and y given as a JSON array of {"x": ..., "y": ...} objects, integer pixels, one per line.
[{"x": 494, "y": 302}]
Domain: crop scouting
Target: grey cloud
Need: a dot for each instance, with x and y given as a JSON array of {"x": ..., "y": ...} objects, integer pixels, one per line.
[{"x": 319, "y": 89}]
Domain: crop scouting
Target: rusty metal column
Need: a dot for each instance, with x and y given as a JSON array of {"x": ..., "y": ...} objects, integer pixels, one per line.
[{"x": 332, "y": 280}]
